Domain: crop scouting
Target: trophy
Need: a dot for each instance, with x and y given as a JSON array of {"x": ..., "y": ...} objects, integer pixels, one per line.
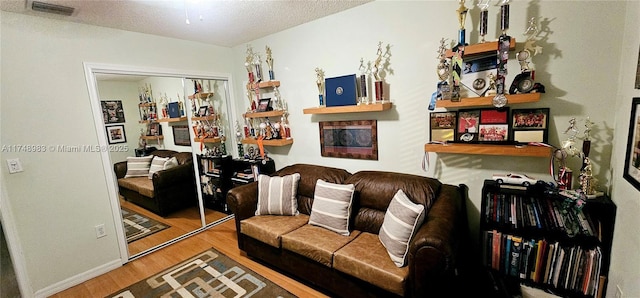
[
  {"x": 458, "y": 52},
  {"x": 524, "y": 82},
  {"x": 252, "y": 103},
  {"x": 362, "y": 84},
  {"x": 444, "y": 72},
  {"x": 376, "y": 74},
  {"x": 462, "y": 16},
  {"x": 269, "y": 61},
  {"x": 257, "y": 63},
  {"x": 484, "y": 17},
  {"x": 504, "y": 42},
  {"x": 320, "y": 83},
  {"x": 248, "y": 64}
]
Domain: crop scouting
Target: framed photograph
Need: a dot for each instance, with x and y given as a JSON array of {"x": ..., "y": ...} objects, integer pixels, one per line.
[
  {"x": 632, "y": 158},
  {"x": 475, "y": 73},
  {"x": 530, "y": 125},
  {"x": 154, "y": 129},
  {"x": 349, "y": 139},
  {"x": 181, "y": 135},
  {"x": 468, "y": 125},
  {"x": 115, "y": 134},
  {"x": 494, "y": 125},
  {"x": 443, "y": 126},
  {"x": 203, "y": 111},
  {"x": 112, "y": 111},
  {"x": 263, "y": 106}
]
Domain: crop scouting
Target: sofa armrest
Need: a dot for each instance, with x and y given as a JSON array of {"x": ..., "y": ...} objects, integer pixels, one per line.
[
  {"x": 177, "y": 175},
  {"x": 243, "y": 202},
  {"x": 120, "y": 168},
  {"x": 434, "y": 250}
]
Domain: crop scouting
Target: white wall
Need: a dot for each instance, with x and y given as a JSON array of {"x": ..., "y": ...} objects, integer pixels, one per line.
[
  {"x": 60, "y": 197},
  {"x": 579, "y": 67}
]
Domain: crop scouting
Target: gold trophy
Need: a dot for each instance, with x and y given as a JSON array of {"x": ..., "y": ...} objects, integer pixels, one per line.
[
  {"x": 320, "y": 84},
  {"x": 248, "y": 63},
  {"x": 269, "y": 61}
]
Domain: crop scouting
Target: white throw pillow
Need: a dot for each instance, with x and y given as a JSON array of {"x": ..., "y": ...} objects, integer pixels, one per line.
[
  {"x": 157, "y": 164},
  {"x": 331, "y": 207},
  {"x": 171, "y": 163},
  {"x": 401, "y": 221},
  {"x": 277, "y": 195},
  {"x": 138, "y": 166}
]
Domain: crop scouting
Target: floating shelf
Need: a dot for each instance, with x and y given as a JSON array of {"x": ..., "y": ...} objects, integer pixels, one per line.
[
  {"x": 211, "y": 117},
  {"x": 376, "y": 107},
  {"x": 152, "y": 137},
  {"x": 203, "y": 95},
  {"x": 482, "y": 48},
  {"x": 489, "y": 149},
  {"x": 147, "y": 121},
  {"x": 267, "y": 84},
  {"x": 207, "y": 140},
  {"x": 276, "y": 142},
  {"x": 263, "y": 114},
  {"x": 147, "y": 104},
  {"x": 488, "y": 101},
  {"x": 173, "y": 119}
]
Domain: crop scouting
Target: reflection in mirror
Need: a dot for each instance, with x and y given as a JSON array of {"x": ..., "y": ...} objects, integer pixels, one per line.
[{"x": 147, "y": 125}]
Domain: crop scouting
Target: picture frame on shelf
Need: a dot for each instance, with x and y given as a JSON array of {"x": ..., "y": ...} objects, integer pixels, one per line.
[
  {"x": 530, "y": 125},
  {"x": 116, "y": 134},
  {"x": 181, "y": 135},
  {"x": 356, "y": 139},
  {"x": 468, "y": 125},
  {"x": 632, "y": 158},
  {"x": 263, "y": 105},
  {"x": 494, "y": 125},
  {"x": 203, "y": 111},
  {"x": 443, "y": 126},
  {"x": 154, "y": 129}
]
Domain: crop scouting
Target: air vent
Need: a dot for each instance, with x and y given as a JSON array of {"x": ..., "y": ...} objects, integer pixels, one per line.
[{"x": 52, "y": 8}]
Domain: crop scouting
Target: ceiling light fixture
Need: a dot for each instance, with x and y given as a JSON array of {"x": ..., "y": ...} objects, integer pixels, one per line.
[{"x": 52, "y": 8}]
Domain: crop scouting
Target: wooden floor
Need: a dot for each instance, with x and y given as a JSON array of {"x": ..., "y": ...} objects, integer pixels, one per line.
[{"x": 221, "y": 237}]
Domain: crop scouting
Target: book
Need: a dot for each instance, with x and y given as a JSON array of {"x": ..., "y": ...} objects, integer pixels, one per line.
[
  {"x": 495, "y": 256},
  {"x": 506, "y": 260},
  {"x": 514, "y": 263}
]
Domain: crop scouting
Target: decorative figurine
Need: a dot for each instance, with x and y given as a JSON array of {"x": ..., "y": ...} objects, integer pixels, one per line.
[
  {"x": 269, "y": 61},
  {"x": 484, "y": 17},
  {"x": 320, "y": 84}
]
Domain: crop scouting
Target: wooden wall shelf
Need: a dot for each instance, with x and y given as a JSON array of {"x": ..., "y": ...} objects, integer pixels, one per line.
[
  {"x": 482, "y": 48},
  {"x": 376, "y": 107},
  {"x": 276, "y": 142},
  {"x": 152, "y": 137},
  {"x": 489, "y": 149},
  {"x": 147, "y": 121},
  {"x": 267, "y": 84},
  {"x": 203, "y": 95},
  {"x": 263, "y": 114},
  {"x": 173, "y": 119},
  {"x": 207, "y": 140},
  {"x": 488, "y": 101},
  {"x": 210, "y": 118},
  {"x": 147, "y": 104}
]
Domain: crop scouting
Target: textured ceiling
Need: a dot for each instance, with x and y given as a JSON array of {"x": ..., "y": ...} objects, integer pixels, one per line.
[{"x": 224, "y": 23}]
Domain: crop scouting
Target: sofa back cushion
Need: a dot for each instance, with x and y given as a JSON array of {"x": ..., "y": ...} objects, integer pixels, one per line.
[
  {"x": 309, "y": 175},
  {"x": 375, "y": 189}
]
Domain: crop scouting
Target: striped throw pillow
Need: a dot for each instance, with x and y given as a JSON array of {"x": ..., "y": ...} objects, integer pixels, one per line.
[
  {"x": 138, "y": 166},
  {"x": 331, "y": 207},
  {"x": 277, "y": 195},
  {"x": 401, "y": 221},
  {"x": 157, "y": 164}
]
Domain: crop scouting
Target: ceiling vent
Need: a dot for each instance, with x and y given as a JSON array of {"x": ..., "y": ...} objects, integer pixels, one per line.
[{"x": 52, "y": 8}]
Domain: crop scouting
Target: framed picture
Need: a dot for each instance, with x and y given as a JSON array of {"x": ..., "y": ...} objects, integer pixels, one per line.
[
  {"x": 468, "y": 125},
  {"x": 115, "y": 134},
  {"x": 349, "y": 139},
  {"x": 475, "y": 73},
  {"x": 263, "y": 106},
  {"x": 112, "y": 111},
  {"x": 443, "y": 126},
  {"x": 181, "y": 135},
  {"x": 494, "y": 125},
  {"x": 632, "y": 159},
  {"x": 203, "y": 111},
  {"x": 530, "y": 125},
  {"x": 154, "y": 129}
]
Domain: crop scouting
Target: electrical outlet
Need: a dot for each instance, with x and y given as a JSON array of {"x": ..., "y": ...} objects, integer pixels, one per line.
[
  {"x": 100, "y": 231},
  {"x": 619, "y": 292},
  {"x": 14, "y": 165}
]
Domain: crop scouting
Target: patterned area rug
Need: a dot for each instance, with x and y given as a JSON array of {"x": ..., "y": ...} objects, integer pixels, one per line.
[
  {"x": 138, "y": 226},
  {"x": 209, "y": 274}
]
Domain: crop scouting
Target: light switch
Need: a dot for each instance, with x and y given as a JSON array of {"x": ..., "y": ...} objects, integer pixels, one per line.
[{"x": 14, "y": 165}]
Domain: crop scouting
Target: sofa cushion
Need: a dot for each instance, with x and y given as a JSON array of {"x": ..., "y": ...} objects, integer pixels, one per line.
[
  {"x": 138, "y": 166},
  {"x": 316, "y": 243},
  {"x": 141, "y": 185},
  {"x": 171, "y": 163},
  {"x": 332, "y": 206},
  {"x": 277, "y": 195},
  {"x": 157, "y": 164},
  {"x": 402, "y": 220},
  {"x": 366, "y": 259},
  {"x": 270, "y": 228}
]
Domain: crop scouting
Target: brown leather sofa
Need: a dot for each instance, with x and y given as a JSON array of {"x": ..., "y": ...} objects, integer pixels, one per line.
[
  {"x": 358, "y": 265},
  {"x": 168, "y": 191}
]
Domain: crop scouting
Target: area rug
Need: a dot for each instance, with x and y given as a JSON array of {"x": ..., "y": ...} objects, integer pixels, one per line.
[
  {"x": 209, "y": 274},
  {"x": 138, "y": 226}
]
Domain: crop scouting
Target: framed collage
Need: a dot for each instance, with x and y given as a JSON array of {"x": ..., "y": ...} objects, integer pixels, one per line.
[
  {"x": 530, "y": 125},
  {"x": 443, "y": 125}
]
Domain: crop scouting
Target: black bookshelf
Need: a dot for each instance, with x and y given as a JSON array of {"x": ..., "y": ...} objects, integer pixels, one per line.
[{"x": 543, "y": 239}]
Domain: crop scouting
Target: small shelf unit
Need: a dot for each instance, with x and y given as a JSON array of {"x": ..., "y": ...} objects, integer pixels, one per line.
[
  {"x": 272, "y": 142},
  {"x": 266, "y": 84},
  {"x": 152, "y": 137},
  {"x": 489, "y": 149},
  {"x": 376, "y": 107}
]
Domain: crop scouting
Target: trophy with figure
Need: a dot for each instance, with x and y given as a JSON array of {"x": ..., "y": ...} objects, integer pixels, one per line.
[
  {"x": 320, "y": 84},
  {"x": 269, "y": 61}
]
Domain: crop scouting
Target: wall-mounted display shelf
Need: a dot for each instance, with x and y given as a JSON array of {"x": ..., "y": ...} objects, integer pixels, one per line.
[
  {"x": 489, "y": 149},
  {"x": 207, "y": 140},
  {"x": 263, "y": 114},
  {"x": 202, "y": 95},
  {"x": 481, "y": 48},
  {"x": 272, "y": 142},
  {"x": 180, "y": 119},
  {"x": 376, "y": 107},
  {"x": 205, "y": 118},
  {"x": 152, "y": 137},
  {"x": 487, "y": 101},
  {"x": 147, "y": 104},
  {"x": 267, "y": 84}
]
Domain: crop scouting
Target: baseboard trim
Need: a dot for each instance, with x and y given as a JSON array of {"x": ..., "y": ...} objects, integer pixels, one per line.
[{"x": 77, "y": 279}]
